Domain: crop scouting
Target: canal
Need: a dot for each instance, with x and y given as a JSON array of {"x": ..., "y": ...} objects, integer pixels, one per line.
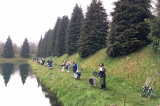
[{"x": 20, "y": 87}]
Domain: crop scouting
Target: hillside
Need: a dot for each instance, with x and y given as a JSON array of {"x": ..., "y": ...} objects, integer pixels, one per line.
[{"x": 125, "y": 77}]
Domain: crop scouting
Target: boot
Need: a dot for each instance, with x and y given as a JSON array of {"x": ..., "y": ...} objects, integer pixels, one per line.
[
  {"x": 104, "y": 87},
  {"x": 101, "y": 86}
]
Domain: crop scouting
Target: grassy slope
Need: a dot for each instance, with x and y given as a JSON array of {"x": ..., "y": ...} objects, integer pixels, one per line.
[{"x": 125, "y": 77}]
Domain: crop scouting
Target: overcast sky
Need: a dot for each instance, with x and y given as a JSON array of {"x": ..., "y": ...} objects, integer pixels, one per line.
[{"x": 32, "y": 18}]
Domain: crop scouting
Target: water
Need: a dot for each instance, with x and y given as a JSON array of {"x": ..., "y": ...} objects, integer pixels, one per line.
[{"x": 20, "y": 87}]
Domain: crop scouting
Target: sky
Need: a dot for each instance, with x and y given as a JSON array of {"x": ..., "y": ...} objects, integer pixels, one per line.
[{"x": 30, "y": 19}]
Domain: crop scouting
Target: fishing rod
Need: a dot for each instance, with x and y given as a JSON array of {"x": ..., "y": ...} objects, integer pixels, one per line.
[{"x": 94, "y": 69}]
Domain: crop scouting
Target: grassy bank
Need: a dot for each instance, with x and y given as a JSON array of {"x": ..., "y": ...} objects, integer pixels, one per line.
[
  {"x": 14, "y": 59},
  {"x": 125, "y": 77}
]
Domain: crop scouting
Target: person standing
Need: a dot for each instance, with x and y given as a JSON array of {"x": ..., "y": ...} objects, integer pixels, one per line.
[
  {"x": 33, "y": 59},
  {"x": 50, "y": 63},
  {"x": 63, "y": 65},
  {"x": 102, "y": 76},
  {"x": 43, "y": 61},
  {"x": 74, "y": 66},
  {"x": 68, "y": 65},
  {"x": 37, "y": 59}
]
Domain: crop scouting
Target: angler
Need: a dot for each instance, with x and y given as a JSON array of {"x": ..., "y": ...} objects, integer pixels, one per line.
[{"x": 102, "y": 76}]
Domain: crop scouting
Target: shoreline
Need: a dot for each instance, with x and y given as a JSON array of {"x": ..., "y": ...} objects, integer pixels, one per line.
[
  {"x": 13, "y": 60},
  {"x": 71, "y": 92},
  {"x": 53, "y": 97},
  {"x": 124, "y": 79}
]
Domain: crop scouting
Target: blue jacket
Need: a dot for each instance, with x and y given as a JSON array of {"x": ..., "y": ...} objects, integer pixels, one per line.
[{"x": 75, "y": 68}]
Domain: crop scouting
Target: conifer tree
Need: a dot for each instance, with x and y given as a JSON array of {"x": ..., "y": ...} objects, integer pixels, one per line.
[
  {"x": 61, "y": 37},
  {"x": 7, "y": 71},
  {"x": 74, "y": 30},
  {"x": 49, "y": 43},
  {"x": 8, "y": 49},
  {"x": 24, "y": 71},
  {"x": 54, "y": 36},
  {"x": 94, "y": 30},
  {"x": 25, "y": 50},
  {"x": 128, "y": 28},
  {"x": 39, "y": 54},
  {"x": 155, "y": 30},
  {"x": 44, "y": 45}
]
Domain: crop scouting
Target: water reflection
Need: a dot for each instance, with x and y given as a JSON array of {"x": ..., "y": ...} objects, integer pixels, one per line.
[
  {"x": 6, "y": 72},
  {"x": 50, "y": 95},
  {"x": 18, "y": 87},
  {"x": 24, "y": 68}
]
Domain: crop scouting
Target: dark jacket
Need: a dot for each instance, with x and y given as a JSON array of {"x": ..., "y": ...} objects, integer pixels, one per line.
[{"x": 74, "y": 66}]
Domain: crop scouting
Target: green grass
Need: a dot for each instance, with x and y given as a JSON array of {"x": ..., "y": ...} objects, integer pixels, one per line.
[
  {"x": 125, "y": 77},
  {"x": 16, "y": 58}
]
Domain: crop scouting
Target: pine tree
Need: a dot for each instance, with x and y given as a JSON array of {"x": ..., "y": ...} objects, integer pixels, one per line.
[
  {"x": 61, "y": 37},
  {"x": 8, "y": 49},
  {"x": 33, "y": 48},
  {"x": 25, "y": 50},
  {"x": 42, "y": 48},
  {"x": 155, "y": 30},
  {"x": 54, "y": 36},
  {"x": 7, "y": 70},
  {"x": 39, "y": 54},
  {"x": 49, "y": 42},
  {"x": 24, "y": 71},
  {"x": 74, "y": 30},
  {"x": 128, "y": 28},
  {"x": 94, "y": 30},
  {"x": 44, "y": 45}
]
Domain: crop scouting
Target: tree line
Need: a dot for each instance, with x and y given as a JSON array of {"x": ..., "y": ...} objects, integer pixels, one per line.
[
  {"x": 132, "y": 27},
  {"x": 9, "y": 49}
]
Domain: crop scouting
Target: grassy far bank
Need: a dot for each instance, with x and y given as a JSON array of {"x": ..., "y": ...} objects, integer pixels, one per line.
[
  {"x": 125, "y": 77},
  {"x": 16, "y": 58}
]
